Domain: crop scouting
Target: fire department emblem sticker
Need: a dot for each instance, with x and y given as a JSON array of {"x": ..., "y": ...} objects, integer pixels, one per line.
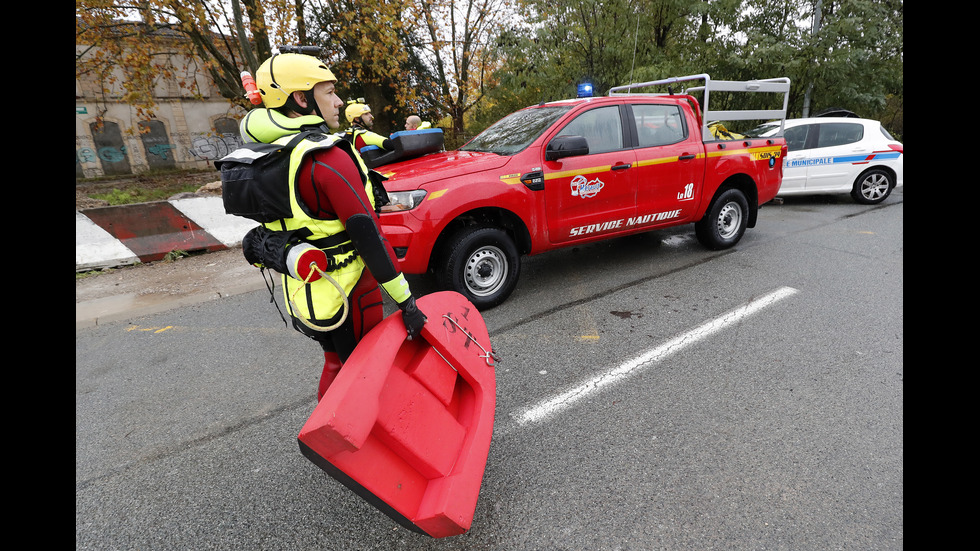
[{"x": 582, "y": 187}]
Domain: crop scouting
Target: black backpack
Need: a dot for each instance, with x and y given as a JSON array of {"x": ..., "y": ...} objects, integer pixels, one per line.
[{"x": 255, "y": 180}]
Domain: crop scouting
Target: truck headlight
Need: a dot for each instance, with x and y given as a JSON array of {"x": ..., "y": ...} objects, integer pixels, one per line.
[{"x": 403, "y": 200}]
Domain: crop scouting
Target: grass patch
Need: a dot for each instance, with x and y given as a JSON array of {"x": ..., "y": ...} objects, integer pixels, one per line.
[
  {"x": 90, "y": 273},
  {"x": 175, "y": 255},
  {"x": 144, "y": 187},
  {"x": 137, "y": 194}
]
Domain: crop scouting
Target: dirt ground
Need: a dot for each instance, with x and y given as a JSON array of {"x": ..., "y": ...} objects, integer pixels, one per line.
[
  {"x": 203, "y": 272},
  {"x": 134, "y": 291},
  {"x": 208, "y": 183},
  {"x": 212, "y": 274}
]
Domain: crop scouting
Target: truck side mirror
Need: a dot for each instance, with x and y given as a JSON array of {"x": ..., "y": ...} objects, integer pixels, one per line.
[{"x": 566, "y": 146}]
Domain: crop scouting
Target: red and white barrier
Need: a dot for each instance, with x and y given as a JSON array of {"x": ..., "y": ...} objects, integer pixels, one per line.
[{"x": 145, "y": 232}]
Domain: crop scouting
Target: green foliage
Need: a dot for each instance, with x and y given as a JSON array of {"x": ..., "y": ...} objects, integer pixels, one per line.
[
  {"x": 175, "y": 255},
  {"x": 136, "y": 193},
  {"x": 854, "y": 60},
  {"x": 486, "y": 58}
]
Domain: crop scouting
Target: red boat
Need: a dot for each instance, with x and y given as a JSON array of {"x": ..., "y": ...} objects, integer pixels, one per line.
[{"x": 407, "y": 423}]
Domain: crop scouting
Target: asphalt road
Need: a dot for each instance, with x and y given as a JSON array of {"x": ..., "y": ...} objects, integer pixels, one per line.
[{"x": 651, "y": 395}]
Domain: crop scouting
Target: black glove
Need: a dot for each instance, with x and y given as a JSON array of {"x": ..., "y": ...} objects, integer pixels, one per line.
[
  {"x": 413, "y": 317},
  {"x": 252, "y": 246},
  {"x": 263, "y": 247}
]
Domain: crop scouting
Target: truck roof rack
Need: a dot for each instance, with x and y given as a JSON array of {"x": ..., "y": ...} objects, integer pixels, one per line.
[{"x": 770, "y": 85}]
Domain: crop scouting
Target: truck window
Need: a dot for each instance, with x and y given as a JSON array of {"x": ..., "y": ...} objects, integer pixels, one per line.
[
  {"x": 658, "y": 124},
  {"x": 601, "y": 127}
]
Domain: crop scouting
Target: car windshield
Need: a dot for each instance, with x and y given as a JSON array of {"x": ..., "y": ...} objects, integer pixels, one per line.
[
  {"x": 516, "y": 131},
  {"x": 763, "y": 130}
]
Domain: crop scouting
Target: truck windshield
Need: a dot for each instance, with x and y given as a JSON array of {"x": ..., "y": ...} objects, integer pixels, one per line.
[{"x": 516, "y": 131}]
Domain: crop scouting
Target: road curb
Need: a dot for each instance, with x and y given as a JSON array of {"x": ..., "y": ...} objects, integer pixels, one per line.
[{"x": 107, "y": 237}]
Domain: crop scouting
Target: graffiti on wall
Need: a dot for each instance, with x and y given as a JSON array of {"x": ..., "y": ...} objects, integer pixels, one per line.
[
  {"x": 110, "y": 153},
  {"x": 210, "y": 148},
  {"x": 225, "y": 139}
]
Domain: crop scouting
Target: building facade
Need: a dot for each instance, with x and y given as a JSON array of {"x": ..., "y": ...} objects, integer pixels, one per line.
[{"x": 188, "y": 130}]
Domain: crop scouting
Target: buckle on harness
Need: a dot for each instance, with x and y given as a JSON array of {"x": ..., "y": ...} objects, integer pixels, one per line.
[{"x": 332, "y": 253}]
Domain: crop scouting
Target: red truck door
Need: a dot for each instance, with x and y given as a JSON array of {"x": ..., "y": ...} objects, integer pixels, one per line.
[
  {"x": 670, "y": 164},
  {"x": 592, "y": 194}
]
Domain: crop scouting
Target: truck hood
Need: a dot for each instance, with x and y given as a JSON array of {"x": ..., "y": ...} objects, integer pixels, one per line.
[{"x": 412, "y": 174}]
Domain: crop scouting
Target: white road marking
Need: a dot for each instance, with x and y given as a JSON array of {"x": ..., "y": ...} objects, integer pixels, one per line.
[{"x": 554, "y": 405}]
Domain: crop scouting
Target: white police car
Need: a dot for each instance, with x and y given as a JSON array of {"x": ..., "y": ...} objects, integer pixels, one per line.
[{"x": 831, "y": 155}]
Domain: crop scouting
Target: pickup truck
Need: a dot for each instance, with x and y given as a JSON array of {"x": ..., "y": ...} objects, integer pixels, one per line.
[{"x": 576, "y": 171}]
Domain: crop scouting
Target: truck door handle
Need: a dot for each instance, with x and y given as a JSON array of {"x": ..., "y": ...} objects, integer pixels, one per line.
[
  {"x": 687, "y": 157},
  {"x": 621, "y": 167}
]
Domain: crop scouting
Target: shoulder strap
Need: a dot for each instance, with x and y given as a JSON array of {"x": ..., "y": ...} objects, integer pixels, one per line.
[{"x": 292, "y": 143}]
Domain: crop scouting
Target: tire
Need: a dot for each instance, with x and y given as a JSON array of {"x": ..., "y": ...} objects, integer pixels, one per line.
[
  {"x": 872, "y": 187},
  {"x": 724, "y": 224},
  {"x": 482, "y": 264}
]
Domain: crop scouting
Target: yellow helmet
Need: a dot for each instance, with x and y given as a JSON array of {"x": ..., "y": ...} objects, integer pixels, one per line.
[
  {"x": 282, "y": 74},
  {"x": 356, "y": 108}
]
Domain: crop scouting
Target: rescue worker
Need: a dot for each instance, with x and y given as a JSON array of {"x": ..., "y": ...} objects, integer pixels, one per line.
[
  {"x": 414, "y": 122},
  {"x": 361, "y": 121},
  {"x": 332, "y": 242}
]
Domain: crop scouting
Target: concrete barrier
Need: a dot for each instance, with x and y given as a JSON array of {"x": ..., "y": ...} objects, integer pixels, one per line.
[{"x": 145, "y": 232}]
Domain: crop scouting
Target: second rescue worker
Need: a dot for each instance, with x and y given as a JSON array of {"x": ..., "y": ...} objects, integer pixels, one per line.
[
  {"x": 361, "y": 121},
  {"x": 333, "y": 228}
]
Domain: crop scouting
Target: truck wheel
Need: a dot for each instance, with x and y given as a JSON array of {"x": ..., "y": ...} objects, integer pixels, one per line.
[
  {"x": 725, "y": 222},
  {"x": 481, "y": 264},
  {"x": 872, "y": 187}
]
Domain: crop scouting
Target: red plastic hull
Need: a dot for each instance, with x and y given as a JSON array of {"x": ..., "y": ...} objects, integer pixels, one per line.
[{"x": 407, "y": 424}]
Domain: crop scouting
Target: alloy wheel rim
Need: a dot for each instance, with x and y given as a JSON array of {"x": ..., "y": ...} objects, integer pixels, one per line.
[{"x": 874, "y": 186}]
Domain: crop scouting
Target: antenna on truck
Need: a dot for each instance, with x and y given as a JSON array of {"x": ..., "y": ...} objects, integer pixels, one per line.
[{"x": 636, "y": 33}]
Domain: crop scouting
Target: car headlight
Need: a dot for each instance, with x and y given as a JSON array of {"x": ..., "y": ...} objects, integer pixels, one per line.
[{"x": 403, "y": 200}]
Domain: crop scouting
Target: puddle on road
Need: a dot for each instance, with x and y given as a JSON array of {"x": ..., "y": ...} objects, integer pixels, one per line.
[{"x": 130, "y": 304}]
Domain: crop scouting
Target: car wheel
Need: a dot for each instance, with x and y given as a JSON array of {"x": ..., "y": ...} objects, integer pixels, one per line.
[
  {"x": 482, "y": 264},
  {"x": 725, "y": 222},
  {"x": 872, "y": 187}
]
